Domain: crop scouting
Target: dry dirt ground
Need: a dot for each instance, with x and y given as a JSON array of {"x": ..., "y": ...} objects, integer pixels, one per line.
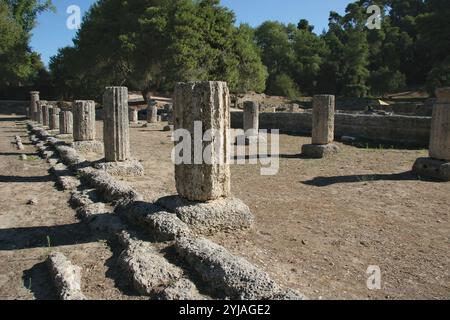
[
  {"x": 29, "y": 233},
  {"x": 319, "y": 223}
]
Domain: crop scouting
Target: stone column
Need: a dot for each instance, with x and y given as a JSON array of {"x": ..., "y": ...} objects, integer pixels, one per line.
[
  {"x": 46, "y": 115},
  {"x": 66, "y": 122},
  {"x": 34, "y": 95},
  {"x": 152, "y": 113},
  {"x": 116, "y": 124},
  {"x": 437, "y": 166},
  {"x": 84, "y": 121},
  {"x": 251, "y": 118},
  {"x": 206, "y": 103},
  {"x": 39, "y": 117},
  {"x": 322, "y": 128},
  {"x": 134, "y": 116},
  {"x": 440, "y": 127},
  {"x": 54, "y": 118},
  {"x": 323, "y": 119}
]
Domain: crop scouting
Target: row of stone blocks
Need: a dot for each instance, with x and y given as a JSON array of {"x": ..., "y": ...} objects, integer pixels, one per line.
[{"x": 204, "y": 193}]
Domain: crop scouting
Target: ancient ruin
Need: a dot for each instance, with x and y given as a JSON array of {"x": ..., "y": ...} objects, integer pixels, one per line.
[
  {"x": 323, "y": 128},
  {"x": 54, "y": 118},
  {"x": 33, "y": 105},
  {"x": 152, "y": 113},
  {"x": 84, "y": 127},
  {"x": 203, "y": 186},
  {"x": 65, "y": 124},
  {"x": 165, "y": 161},
  {"x": 46, "y": 115},
  {"x": 134, "y": 116},
  {"x": 116, "y": 127},
  {"x": 251, "y": 124},
  {"x": 437, "y": 166}
]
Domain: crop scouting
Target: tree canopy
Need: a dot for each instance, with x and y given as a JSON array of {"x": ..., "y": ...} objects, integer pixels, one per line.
[
  {"x": 151, "y": 44},
  {"x": 19, "y": 64}
]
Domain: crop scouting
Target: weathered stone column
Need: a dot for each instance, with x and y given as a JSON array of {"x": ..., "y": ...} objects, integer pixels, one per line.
[
  {"x": 116, "y": 125},
  {"x": 251, "y": 118},
  {"x": 40, "y": 112},
  {"x": 66, "y": 122},
  {"x": 322, "y": 128},
  {"x": 152, "y": 113},
  {"x": 440, "y": 127},
  {"x": 46, "y": 115},
  {"x": 323, "y": 119},
  {"x": 134, "y": 116},
  {"x": 34, "y": 95},
  {"x": 54, "y": 118},
  {"x": 437, "y": 166},
  {"x": 206, "y": 103},
  {"x": 84, "y": 121},
  {"x": 202, "y": 170}
]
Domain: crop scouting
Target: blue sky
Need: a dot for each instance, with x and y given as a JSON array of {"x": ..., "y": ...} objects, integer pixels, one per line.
[{"x": 51, "y": 32}]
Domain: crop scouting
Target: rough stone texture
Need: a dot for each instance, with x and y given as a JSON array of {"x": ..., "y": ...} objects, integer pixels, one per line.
[
  {"x": 134, "y": 116},
  {"x": 440, "y": 126},
  {"x": 84, "y": 120},
  {"x": 106, "y": 223},
  {"x": 46, "y": 115},
  {"x": 210, "y": 217},
  {"x": 90, "y": 210},
  {"x": 183, "y": 289},
  {"x": 124, "y": 168},
  {"x": 34, "y": 97},
  {"x": 54, "y": 118},
  {"x": 395, "y": 129},
  {"x": 318, "y": 151},
  {"x": 70, "y": 156},
  {"x": 152, "y": 113},
  {"x": 225, "y": 273},
  {"x": 65, "y": 177},
  {"x": 164, "y": 226},
  {"x": 88, "y": 146},
  {"x": 66, "y": 122},
  {"x": 323, "y": 119},
  {"x": 84, "y": 198},
  {"x": 150, "y": 272},
  {"x": 207, "y": 102},
  {"x": 66, "y": 276},
  {"x": 432, "y": 169},
  {"x": 116, "y": 125},
  {"x": 40, "y": 113},
  {"x": 251, "y": 118},
  {"x": 108, "y": 187}
]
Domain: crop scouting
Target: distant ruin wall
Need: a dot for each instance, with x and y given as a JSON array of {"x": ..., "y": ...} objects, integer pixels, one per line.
[
  {"x": 16, "y": 107},
  {"x": 396, "y": 130}
]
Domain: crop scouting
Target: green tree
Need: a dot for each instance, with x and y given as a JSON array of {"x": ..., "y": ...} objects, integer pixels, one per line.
[
  {"x": 19, "y": 64},
  {"x": 151, "y": 44},
  {"x": 252, "y": 74}
]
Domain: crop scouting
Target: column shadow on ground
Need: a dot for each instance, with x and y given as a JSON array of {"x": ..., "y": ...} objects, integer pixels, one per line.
[
  {"x": 327, "y": 181},
  {"x": 44, "y": 236},
  {"x": 18, "y": 179}
]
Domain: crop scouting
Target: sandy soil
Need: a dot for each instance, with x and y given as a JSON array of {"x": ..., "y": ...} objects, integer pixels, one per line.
[
  {"x": 322, "y": 223},
  {"x": 29, "y": 233}
]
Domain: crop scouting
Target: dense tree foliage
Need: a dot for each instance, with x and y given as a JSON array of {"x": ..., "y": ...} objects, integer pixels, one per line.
[
  {"x": 151, "y": 44},
  {"x": 19, "y": 65}
]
